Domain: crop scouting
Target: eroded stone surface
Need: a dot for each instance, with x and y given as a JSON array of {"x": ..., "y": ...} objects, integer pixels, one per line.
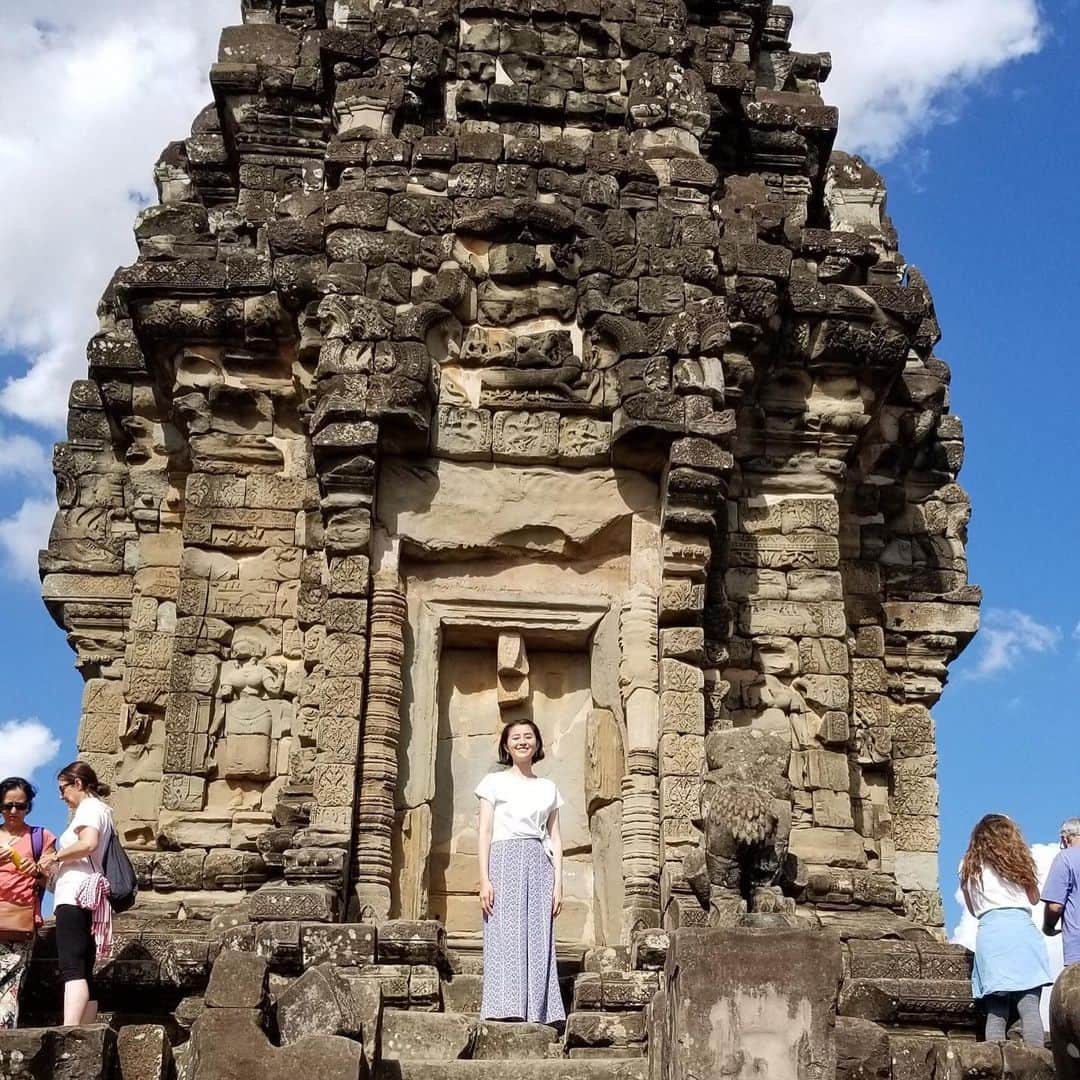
[
  {"x": 736, "y": 998},
  {"x": 496, "y": 310},
  {"x": 73, "y": 1053}
]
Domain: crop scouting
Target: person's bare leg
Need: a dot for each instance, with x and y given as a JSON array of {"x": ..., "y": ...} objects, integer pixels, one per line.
[{"x": 76, "y": 1001}]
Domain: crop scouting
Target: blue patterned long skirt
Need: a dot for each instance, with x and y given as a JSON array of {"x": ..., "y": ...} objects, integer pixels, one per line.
[{"x": 520, "y": 978}]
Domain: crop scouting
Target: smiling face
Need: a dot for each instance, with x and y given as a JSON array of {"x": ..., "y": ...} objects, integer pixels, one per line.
[
  {"x": 521, "y": 744},
  {"x": 15, "y": 803}
]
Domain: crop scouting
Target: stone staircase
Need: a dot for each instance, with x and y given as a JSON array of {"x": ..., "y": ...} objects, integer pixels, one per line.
[
  {"x": 605, "y": 1036},
  {"x": 356, "y": 1002}
]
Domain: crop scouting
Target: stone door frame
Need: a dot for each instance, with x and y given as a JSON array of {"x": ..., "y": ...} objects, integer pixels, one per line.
[{"x": 556, "y": 621}]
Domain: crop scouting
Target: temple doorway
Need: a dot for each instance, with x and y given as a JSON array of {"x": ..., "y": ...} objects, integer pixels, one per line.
[
  {"x": 470, "y": 722},
  {"x": 475, "y": 661}
]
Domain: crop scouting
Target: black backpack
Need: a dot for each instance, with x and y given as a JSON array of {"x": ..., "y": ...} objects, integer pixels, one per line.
[{"x": 120, "y": 874}]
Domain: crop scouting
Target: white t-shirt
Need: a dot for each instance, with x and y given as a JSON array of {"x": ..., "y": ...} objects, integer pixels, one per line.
[
  {"x": 522, "y": 804},
  {"x": 90, "y": 813},
  {"x": 991, "y": 892}
]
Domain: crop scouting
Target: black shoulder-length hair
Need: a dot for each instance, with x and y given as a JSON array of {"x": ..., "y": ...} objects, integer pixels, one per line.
[
  {"x": 504, "y": 754},
  {"x": 10, "y": 783}
]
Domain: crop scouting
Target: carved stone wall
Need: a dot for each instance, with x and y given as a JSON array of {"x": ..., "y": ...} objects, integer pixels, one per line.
[{"x": 430, "y": 291}]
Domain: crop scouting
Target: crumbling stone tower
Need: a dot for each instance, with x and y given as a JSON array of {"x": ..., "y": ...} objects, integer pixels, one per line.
[{"x": 486, "y": 359}]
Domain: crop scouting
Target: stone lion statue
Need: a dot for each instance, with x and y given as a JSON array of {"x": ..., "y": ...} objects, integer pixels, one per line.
[{"x": 745, "y": 818}]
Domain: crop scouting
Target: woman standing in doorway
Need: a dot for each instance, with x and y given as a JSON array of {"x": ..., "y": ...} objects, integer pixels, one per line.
[
  {"x": 82, "y": 907},
  {"x": 21, "y": 846},
  {"x": 1000, "y": 886},
  {"x": 520, "y": 850}
]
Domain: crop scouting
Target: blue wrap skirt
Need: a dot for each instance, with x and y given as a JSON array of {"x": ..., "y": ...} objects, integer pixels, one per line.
[{"x": 1010, "y": 954}]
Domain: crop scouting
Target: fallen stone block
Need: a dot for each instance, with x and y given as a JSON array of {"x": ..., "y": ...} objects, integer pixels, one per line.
[
  {"x": 145, "y": 1052},
  {"x": 424, "y": 1036},
  {"x": 862, "y": 1050},
  {"x": 62, "y": 1053},
  {"x": 344, "y": 945},
  {"x": 403, "y": 941},
  {"x": 228, "y": 1044},
  {"x": 1020, "y": 1062},
  {"x": 463, "y": 993},
  {"x": 767, "y": 996},
  {"x": 604, "y": 1029},
  {"x": 320, "y": 1002},
  {"x": 514, "y": 1041},
  {"x": 238, "y": 980}
]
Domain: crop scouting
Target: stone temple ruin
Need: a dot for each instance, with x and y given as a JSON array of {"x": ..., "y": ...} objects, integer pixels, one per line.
[{"x": 486, "y": 360}]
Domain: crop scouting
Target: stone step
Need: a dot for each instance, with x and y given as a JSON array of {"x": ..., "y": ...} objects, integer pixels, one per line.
[
  {"x": 427, "y": 1036},
  {"x": 604, "y": 1029},
  {"x": 614, "y": 991},
  {"x": 463, "y": 993},
  {"x": 501, "y": 1040},
  {"x": 550, "y": 1069},
  {"x": 448, "y": 1036},
  {"x": 609, "y": 1053}
]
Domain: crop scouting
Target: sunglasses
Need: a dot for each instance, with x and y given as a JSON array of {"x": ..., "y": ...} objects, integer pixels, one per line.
[{"x": 13, "y": 807}]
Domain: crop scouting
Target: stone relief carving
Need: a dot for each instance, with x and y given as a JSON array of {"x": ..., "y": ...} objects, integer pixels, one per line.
[
  {"x": 249, "y": 684},
  {"x": 626, "y": 288}
]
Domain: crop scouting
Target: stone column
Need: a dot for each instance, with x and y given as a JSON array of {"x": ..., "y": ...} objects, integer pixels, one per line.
[
  {"x": 378, "y": 755},
  {"x": 694, "y": 493},
  {"x": 640, "y": 793}
]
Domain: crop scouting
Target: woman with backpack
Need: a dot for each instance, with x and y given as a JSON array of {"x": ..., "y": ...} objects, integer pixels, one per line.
[
  {"x": 21, "y": 847},
  {"x": 82, "y": 911}
]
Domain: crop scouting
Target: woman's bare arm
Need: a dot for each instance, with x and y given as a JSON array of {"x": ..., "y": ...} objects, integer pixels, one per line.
[
  {"x": 555, "y": 834},
  {"x": 87, "y": 844},
  {"x": 483, "y": 852}
]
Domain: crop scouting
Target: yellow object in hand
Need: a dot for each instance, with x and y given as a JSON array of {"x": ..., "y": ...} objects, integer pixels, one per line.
[{"x": 17, "y": 860}]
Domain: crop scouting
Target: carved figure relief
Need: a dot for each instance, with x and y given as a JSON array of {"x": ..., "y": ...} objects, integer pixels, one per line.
[{"x": 249, "y": 684}]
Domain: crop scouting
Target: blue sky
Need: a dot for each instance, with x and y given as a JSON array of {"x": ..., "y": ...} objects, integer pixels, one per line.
[{"x": 969, "y": 108}]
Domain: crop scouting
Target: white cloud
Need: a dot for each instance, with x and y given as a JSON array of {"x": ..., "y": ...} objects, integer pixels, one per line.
[
  {"x": 899, "y": 65},
  {"x": 965, "y": 930},
  {"x": 89, "y": 95},
  {"x": 25, "y": 458},
  {"x": 28, "y": 744},
  {"x": 22, "y": 535},
  {"x": 25, "y": 465},
  {"x": 1007, "y": 636}
]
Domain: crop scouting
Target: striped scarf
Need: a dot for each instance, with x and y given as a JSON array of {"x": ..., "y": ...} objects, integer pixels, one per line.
[{"x": 93, "y": 895}]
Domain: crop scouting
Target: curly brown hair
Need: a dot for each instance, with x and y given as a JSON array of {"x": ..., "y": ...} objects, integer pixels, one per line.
[{"x": 997, "y": 842}]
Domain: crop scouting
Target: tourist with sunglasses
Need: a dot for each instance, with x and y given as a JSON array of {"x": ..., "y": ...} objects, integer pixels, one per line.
[
  {"x": 21, "y": 882},
  {"x": 82, "y": 912}
]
